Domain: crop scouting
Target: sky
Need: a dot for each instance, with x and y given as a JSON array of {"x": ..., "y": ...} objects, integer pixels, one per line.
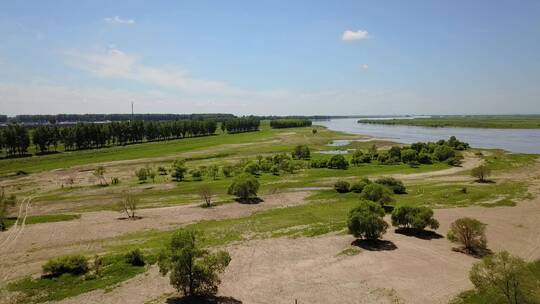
[{"x": 270, "y": 57}]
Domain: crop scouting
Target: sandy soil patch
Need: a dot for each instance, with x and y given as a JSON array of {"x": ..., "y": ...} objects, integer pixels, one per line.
[{"x": 40, "y": 242}]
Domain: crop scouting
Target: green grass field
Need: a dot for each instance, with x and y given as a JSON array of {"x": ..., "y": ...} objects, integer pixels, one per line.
[{"x": 499, "y": 122}]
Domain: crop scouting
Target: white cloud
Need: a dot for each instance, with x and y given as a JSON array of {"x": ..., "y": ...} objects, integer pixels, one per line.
[
  {"x": 349, "y": 35},
  {"x": 118, "y": 20},
  {"x": 364, "y": 66}
]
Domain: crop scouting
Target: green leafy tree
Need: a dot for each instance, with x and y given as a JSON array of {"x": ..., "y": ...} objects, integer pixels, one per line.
[
  {"x": 481, "y": 173},
  {"x": 192, "y": 269},
  {"x": 394, "y": 184},
  {"x": 367, "y": 221},
  {"x": 338, "y": 162},
  {"x": 377, "y": 193},
  {"x": 301, "y": 152},
  {"x": 503, "y": 278},
  {"x": 358, "y": 187},
  {"x": 417, "y": 218},
  {"x": 227, "y": 170},
  {"x": 178, "y": 170},
  {"x": 408, "y": 155},
  {"x": 244, "y": 186},
  {"x": 443, "y": 152},
  {"x": 469, "y": 232},
  {"x": 213, "y": 171},
  {"x": 359, "y": 158}
]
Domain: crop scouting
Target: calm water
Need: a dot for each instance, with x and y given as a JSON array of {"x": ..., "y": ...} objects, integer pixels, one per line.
[{"x": 520, "y": 141}]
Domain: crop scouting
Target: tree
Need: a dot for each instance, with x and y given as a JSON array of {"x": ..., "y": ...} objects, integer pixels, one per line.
[
  {"x": 301, "y": 152},
  {"x": 505, "y": 279},
  {"x": 359, "y": 157},
  {"x": 193, "y": 270},
  {"x": 244, "y": 186},
  {"x": 366, "y": 221},
  {"x": 251, "y": 168},
  {"x": 408, "y": 155},
  {"x": 358, "y": 187},
  {"x": 394, "y": 184},
  {"x": 417, "y": 218},
  {"x": 99, "y": 174},
  {"x": 377, "y": 193},
  {"x": 338, "y": 162},
  {"x": 205, "y": 192},
  {"x": 313, "y": 131},
  {"x": 142, "y": 174},
  {"x": 178, "y": 170},
  {"x": 443, "y": 152},
  {"x": 481, "y": 173},
  {"x": 469, "y": 232},
  {"x": 6, "y": 201},
  {"x": 227, "y": 170},
  {"x": 196, "y": 174},
  {"x": 213, "y": 171},
  {"x": 128, "y": 205},
  {"x": 342, "y": 186}
]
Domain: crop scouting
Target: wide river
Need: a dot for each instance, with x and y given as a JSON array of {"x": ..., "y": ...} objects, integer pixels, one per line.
[{"x": 513, "y": 140}]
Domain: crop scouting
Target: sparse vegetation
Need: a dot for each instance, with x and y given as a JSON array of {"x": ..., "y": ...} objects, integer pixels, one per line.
[
  {"x": 481, "y": 173},
  {"x": 470, "y": 233},
  {"x": 128, "y": 205},
  {"x": 244, "y": 187}
]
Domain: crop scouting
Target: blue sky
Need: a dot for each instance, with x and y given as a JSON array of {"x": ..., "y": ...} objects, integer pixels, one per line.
[{"x": 270, "y": 57}]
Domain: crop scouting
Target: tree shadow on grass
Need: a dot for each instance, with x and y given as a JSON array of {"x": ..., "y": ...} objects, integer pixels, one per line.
[
  {"x": 203, "y": 300},
  {"x": 374, "y": 245},
  {"x": 421, "y": 234},
  {"x": 484, "y": 181},
  {"x": 249, "y": 201}
]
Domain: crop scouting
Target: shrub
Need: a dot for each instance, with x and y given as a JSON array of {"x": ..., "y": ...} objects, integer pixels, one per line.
[
  {"x": 74, "y": 264},
  {"x": 193, "y": 270},
  {"x": 366, "y": 221},
  {"x": 342, "y": 186},
  {"x": 301, "y": 152},
  {"x": 142, "y": 174},
  {"x": 414, "y": 217},
  {"x": 469, "y": 232},
  {"x": 453, "y": 161},
  {"x": 318, "y": 163},
  {"x": 359, "y": 157},
  {"x": 338, "y": 162},
  {"x": 251, "y": 168},
  {"x": 377, "y": 193},
  {"x": 227, "y": 170},
  {"x": 408, "y": 155},
  {"x": 395, "y": 152},
  {"x": 196, "y": 174},
  {"x": 442, "y": 153},
  {"x": 162, "y": 171},
  {"x": 358, "y": 187},
  {"x": 274, "y": 170},
  {"x": 481, "y": 173},
  {"x": 394, "y": 184},
  {"x": 135, "y": 257},
  {"x": 424, "y": 158},
  {"x": 178, "y": 170},
  {"x": 244, "y": 186},
  {"x": 115, "y": 180}
]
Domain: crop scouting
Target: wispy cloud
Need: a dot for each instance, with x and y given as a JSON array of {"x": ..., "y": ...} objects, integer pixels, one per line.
[
  {"x": 364, "y": 66},
  {"x": 349, "y": 35},
  {"x": 114, "y": 63},
  {"x": 118, "y": 20}
]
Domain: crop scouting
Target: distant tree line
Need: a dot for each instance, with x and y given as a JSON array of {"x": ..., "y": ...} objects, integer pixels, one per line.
[
  {"x": 290, "y": 123},
  {"x": 60, "y": 118},
  {"x": 242, "y": 124},
  {"x": 16, "y": 138}
]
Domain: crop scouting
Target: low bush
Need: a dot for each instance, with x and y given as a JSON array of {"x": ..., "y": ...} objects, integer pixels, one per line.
[
  {"x": 338, "y": 162},
  {"x": 417, "y": 218},
  {"x": 342, "y": 186},
  {"x": 74, "y": 264},
  {"x": 394, "y": 184},
  {"x": 377, "y": 193},
  {"x": 358, "y": 187},
  {"x": 135, "y": 257},
  {"x": 470, "y": 233},
  {"x": 318, "y": 163}
]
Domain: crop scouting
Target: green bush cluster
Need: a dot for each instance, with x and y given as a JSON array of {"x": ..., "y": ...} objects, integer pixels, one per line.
[
  {"x": 367, "y": 221},
  {"x": 74, "y": 264},
  {"x": 417, "y": 218},
  {"x": 135, "y": 257}
]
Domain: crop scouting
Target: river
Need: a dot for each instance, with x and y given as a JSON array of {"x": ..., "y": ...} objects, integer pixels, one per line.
[{"x": 512, "y": 140}]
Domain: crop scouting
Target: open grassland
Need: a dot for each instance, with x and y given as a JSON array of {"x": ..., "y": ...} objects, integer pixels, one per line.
[{"x": 498, "y": 122}]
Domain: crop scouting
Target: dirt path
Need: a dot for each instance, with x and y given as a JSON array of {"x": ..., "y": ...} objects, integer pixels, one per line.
[
  {"x": 40, "y": 242},
  {"x": 313, "y": 271}
]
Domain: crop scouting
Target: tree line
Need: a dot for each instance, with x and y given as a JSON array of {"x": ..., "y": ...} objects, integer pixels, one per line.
[
  {"x": 241, "y": 124},
  {"x": 61, "y": 118},
  {"x": 290, "y": 123},
  {"x": 15, "y": 139}
]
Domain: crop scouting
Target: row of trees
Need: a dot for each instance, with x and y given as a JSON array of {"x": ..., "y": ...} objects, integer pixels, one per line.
[
  {"x": 242, "y": 124},
  {"x": 290, "y": 123},
  {"x": 16, "y": 138},
  {"x": 63, "y": 118}
]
